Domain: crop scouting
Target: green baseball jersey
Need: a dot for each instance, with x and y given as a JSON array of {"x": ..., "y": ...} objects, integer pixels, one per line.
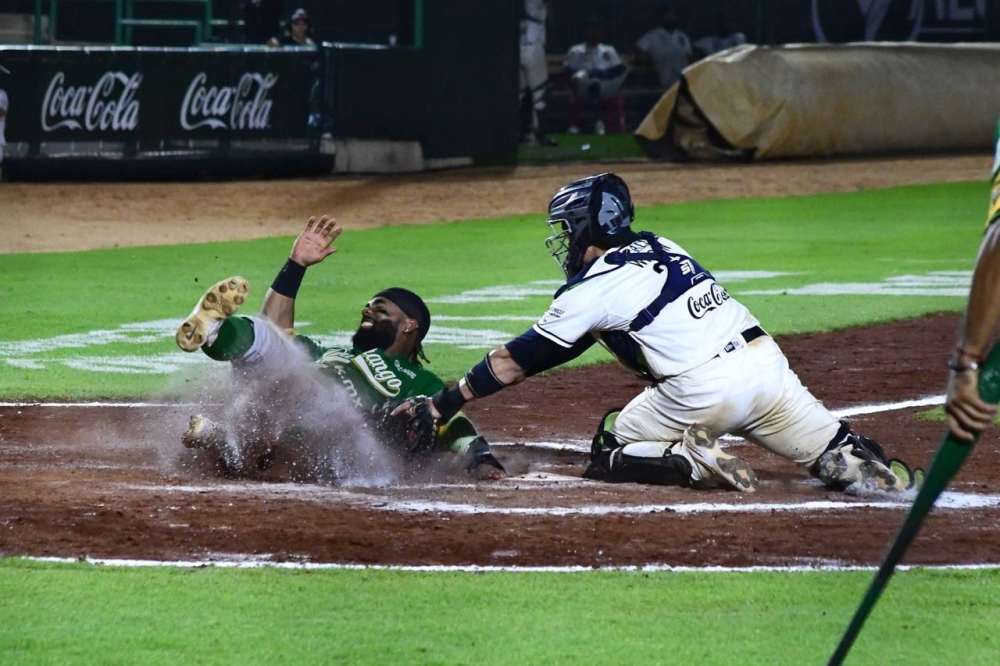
[{"x": 372, "y": 376}]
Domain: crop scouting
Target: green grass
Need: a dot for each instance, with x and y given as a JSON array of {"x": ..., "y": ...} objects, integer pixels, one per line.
[
  {"x": 583, "y": 148},
  {"x": 863, "y": 237},
  {"x": 85, "y": 614},
  {"x": 936, "y": 415}
]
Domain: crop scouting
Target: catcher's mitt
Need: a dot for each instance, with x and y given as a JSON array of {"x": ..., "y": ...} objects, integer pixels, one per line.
[{"x": 414, "y": 431}]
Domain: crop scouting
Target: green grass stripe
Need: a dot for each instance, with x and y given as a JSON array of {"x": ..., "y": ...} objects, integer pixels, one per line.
[
  {"x": 86, "y": 614},
  {"x": 589, "y": 148}
]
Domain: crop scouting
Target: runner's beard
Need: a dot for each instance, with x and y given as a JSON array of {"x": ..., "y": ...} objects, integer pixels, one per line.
[{"x": 379, "y": 336}]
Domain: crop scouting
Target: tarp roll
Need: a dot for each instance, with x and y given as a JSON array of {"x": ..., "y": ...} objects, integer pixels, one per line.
[{"x": 803, "y": 100}]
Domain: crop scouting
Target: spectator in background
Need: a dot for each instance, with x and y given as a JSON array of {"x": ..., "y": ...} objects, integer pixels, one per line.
[
  {"x": 534, "y": 74},
  {"x": 320, "y": 118},
  {"x": 596, "y": 73},
  {"x": 725, "y": 37},
  {"x": 667, "y": 46},
  {"x": 297, "y": 33},
  {"x": 261, "y": 19}
]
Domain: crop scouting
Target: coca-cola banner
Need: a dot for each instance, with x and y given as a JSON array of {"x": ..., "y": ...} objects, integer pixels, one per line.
[{"x": 158, "y": 94}]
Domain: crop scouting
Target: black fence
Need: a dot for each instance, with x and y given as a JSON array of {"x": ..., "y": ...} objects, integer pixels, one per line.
[
  {"x": 141, "y": 112},
  {"x": 157, "y": 99}
]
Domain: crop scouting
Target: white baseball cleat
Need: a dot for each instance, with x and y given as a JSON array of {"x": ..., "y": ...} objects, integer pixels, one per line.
[
  {"x": 711, "y": 462},
  {"x": 221, "y": 301},
  {"x": 203, "y": 433}
]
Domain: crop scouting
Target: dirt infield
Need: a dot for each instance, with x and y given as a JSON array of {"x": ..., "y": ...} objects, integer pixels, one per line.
[
  {"x": 115, "y": 482},
  {"x": 73, "y": 216}
]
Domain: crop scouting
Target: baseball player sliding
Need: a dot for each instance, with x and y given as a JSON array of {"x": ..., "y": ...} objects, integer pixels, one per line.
[
  {"x": 711, "y": 366},
  {"x": 382, "y": 367}
]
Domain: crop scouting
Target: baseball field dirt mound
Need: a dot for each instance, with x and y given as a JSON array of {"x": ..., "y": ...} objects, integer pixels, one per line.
[{"x": 116, "y": 483}]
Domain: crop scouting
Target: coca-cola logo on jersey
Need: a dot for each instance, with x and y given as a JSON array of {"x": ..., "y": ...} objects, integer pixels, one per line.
[
  {"x": 109, "y": 104},
  {"x": 244, "y": 106},
  {"x": 701, "y": 305}
]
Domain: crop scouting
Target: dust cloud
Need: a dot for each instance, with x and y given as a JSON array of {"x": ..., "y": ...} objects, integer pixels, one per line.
[{"x": 280, "y": 419}]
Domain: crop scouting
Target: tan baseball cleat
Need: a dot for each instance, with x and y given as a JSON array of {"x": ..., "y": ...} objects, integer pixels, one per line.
[
  {"x": 203, "y": 433},
  {"x": 221, "y": 301},
  {"x": 702, "y": 447}
]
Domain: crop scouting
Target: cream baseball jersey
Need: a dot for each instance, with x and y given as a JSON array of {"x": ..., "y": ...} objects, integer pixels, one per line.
[{"x": 658, "y": 311}]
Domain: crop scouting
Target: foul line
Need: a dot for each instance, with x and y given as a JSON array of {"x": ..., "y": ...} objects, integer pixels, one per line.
[
  {"x": 254, "y": 562},
  {"x": 99, "y": 404},
  {"x": 875, "y": 408}
]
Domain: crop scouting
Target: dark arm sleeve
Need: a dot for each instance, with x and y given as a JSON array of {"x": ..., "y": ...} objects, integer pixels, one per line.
[{"x": 536, "y": 353}]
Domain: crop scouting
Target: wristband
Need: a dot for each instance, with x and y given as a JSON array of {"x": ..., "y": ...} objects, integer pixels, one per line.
[
  {"x": 448, "y": 401},
  {"x": 289, "y": 278},
  {"x": 956, "y": 365},
  {"x": 962, "y": 351}
]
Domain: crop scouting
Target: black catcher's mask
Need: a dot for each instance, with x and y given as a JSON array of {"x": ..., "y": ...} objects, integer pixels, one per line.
[{"x": 596, "y": 210}]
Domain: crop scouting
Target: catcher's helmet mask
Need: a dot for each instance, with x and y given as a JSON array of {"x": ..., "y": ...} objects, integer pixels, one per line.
[{"x": 596, "y": 210}]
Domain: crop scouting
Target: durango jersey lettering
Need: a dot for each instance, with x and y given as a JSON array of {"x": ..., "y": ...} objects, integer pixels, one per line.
[
  {"x": 659, "y": 312},
  {"x": 372, "y": 376}
]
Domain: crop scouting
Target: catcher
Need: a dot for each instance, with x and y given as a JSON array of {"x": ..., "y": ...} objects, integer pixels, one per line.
[
  {"x": 712, "y": 368},
  {"x": 380, "y": 370}
]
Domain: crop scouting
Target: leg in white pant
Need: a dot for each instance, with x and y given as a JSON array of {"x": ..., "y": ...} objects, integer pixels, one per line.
[{"x": 750, "y": 392}]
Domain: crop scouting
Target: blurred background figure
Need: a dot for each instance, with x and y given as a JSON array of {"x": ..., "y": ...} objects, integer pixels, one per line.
[
  {"x": 667, "y": 46},
  {"x": 596, "y": 73},
  {"x": 297, "y": 32},
  {"x": 3, "y": 122},
  {"x": 725, "y": 37},
  {"x": 534, "y": 77},
  {"x": 261, "y": 19}
]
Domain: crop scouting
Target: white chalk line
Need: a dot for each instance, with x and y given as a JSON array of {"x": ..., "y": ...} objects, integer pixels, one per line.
[
  {"x": 948, "y": 501},
  {"x": 874, "y": 408},
  {"x": 255, "y": 562}
]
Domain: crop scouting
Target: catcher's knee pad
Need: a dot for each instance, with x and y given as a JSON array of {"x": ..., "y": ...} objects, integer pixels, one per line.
[
  {"x": 609, "y": 463},
  {"x": 601, "y": 447}
]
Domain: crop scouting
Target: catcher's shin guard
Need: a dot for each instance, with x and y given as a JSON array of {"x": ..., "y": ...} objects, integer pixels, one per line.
[
  {"x": 608, "y": 461},
  {"x": 666, "y": 470},
  {"x": 602, "y": 446}
]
